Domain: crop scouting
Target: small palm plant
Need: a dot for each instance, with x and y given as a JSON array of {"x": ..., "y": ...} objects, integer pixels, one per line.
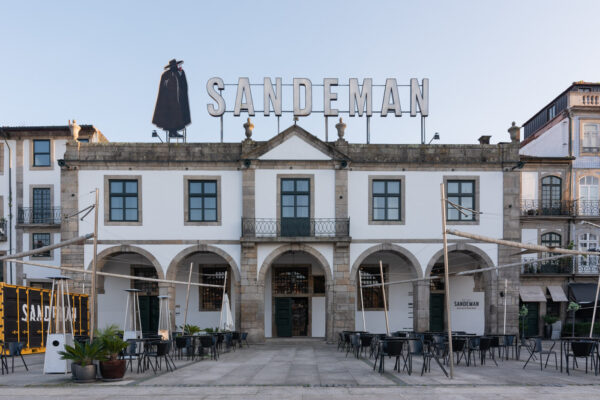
[
  {"x": 191, "y": 329},
  {"x": 83, "y": 353},
  {"x": 111, "y": 342}
]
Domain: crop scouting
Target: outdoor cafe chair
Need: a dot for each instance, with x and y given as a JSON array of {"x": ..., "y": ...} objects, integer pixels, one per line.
[
  {"x": 133, "y": 352},
  {"x": 364, "y": 343},
  {"x": 207, "y": 342},
  {"x": 430, "y": 352},
  {"x": 505, "y": 344},
  {"x": 3, "y": 360},
  {"x": 181, "y": 342},
  {"x": 485, "y": 347},
  {"x": 160, "y": 352},
  {"x": 14, "y": 349},
  {"x": 244, "y": 339},
  {"x": 472, "y": 349},
  {"x": 459, "y": 347},
  {"x": 582, "y": 349},
  {"x": 535, "y": 347},
  {"x": 390, "y": 348},
  {"x": 354, "y": 344}
]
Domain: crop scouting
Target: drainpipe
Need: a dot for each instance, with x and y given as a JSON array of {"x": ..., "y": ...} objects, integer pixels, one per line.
[{"x": 10, "y": 212}]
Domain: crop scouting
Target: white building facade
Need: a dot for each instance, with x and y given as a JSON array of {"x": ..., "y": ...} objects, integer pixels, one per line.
[{"x": 291, "y": 222}]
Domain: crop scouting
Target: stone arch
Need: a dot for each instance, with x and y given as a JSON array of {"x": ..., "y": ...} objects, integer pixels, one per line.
[
  {"x": 172, "y": 269},
  {"x": 474, "y": 250},
  {"x": 385, "y": 247},
  {"x": 125, "y": 248},
  {"x": 294, "y": 247}
]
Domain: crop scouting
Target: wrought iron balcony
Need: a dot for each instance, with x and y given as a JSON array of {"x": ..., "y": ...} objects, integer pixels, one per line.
[
  {"x": 543, "y": 208},
  {"x": 559, "y": 266},
  {"x": 3, "y": 232},
  {"x": 587, "y": 265},
  {"x": 295, "y": 227},
  {"x": 41, "y": 216},
  {"x": 587, "y": 208}
]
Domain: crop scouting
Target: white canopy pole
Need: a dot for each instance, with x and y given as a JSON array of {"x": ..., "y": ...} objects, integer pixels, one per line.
[
  {"x": 362, "y": 304},
  {"x": 505, "y": 289},
  {"x": 387, "y": 321},
  {"x": 187, "y": 296},
  {"x": 223, "y": 300}
]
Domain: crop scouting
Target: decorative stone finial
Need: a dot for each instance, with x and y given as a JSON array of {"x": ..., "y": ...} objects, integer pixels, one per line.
[
  {"x": 74, "y": 128},
  {"x": 248, "y": 126},
  {"x": 341, "y": 127},
  {"x": 515, "y": 132}
]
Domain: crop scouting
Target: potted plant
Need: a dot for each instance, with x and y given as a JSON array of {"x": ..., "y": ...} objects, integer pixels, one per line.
[
  {"x": 191, "y": 329},
  {"x": 548, "y": 320},
  {"x": 573, "y": 307},
  {"x": 111, "y": 367},
  {"x": 82, "y": 356}
]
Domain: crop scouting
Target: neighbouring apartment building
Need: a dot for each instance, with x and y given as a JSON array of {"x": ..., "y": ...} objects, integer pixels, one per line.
[
  {"x": 560, "y": 203},
  {"x": 290, "y": 221}
]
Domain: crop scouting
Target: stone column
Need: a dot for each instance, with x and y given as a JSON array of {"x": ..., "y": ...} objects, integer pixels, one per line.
[
  {"x": 252, "y": 296},
  {"x": 511, "y": 231},
  {"x": 421, "y": 292},
  {"x": 72, "y": 256},
  {"x": 344, "y": 293}
]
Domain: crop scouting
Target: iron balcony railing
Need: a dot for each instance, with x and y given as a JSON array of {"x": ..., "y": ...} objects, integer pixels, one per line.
[
  {"x": 580, "y": 265},
  {"x": 546, "y": 208},
  {"x": 576, "y": 208},
  {"x": 3, "y": 232},
  {"x": 43, "y": 216},
  {"x": 559, "y": 266},
  {"x": 295, "y": 227}
]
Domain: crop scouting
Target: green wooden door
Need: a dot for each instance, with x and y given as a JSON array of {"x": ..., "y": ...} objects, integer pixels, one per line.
[
  {"x": 295, "y": 207},
  {"x": 532, "y": 319},
  {"x": 283, "y": 316},
  {"x": 436, "y": 312},
  {"x": 149, "y": 314}
]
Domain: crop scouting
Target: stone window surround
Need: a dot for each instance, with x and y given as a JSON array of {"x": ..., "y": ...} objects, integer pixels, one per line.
[
  {"x": 186, "y": 204},
  {"x": 582, "y": 122},
  {"x": 31, "y": 233},
  {"x": 51, "y": 187},
  {"x": 107, "y": 221},
  {"x": 559, "y": 174},
  {"x": 477, "y": 197},
  {"x": 52, "y": 152},
  {"x": 311, "y": 180},
  {"x": 402, "y": 179}
]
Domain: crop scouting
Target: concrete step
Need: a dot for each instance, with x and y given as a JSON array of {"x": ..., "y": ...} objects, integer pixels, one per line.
[{"x": 295, "y": 341}]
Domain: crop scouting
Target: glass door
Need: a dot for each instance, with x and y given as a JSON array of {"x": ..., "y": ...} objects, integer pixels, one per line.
[
  {"x": 295, "y": 207},
  {"x": 588, "y": 195},
  {"x": 41, "y": 206}
]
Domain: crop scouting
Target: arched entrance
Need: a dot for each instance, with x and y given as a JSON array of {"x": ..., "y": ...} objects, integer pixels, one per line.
[
  {"x": 134, "y": 261},
  {"x": 210, "y": 265},
  {"x": 297, "y": 285},
  {"x": 468, "y": 293},
  {"x": 398, "y": 265}
]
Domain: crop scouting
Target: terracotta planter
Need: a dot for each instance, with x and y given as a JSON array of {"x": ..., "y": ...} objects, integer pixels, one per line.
[
  {"x": 113, "y": 370},
  {"x": 83, "y": 374}
]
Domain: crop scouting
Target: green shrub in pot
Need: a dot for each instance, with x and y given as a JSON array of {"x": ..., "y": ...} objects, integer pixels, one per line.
[
  {"x": 111, "y": 367},
  {"x": 83, "y": 356}
]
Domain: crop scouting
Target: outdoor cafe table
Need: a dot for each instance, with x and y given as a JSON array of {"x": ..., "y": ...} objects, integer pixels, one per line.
[{"x": 565, "y": 343}]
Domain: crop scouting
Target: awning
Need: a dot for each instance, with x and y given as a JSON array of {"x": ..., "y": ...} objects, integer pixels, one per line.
[
  {"x": 557, "y": 293},
  {"x": 532, "y": 294},
  {"x": 582, "y": 293}
]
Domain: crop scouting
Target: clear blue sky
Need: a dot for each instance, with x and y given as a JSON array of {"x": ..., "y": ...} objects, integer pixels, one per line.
[{"x": 489, "y": 63}]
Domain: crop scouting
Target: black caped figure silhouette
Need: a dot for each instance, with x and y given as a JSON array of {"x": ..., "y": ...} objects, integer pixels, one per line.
[{"x": 172, "y": 111}]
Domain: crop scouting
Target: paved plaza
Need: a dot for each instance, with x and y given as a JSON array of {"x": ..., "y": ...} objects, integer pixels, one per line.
[{"x": 306, "y": 369}]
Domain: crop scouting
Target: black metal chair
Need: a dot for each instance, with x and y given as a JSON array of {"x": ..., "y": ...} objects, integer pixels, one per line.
[
  {"x": 507, "y": 342},
  {"x": 389, "y": 348},
  {"x": 472, "y": 349},
  {"x": 3, "y": 360},
  {"x": 365, "y": 343},
  {"x": 430, "y": 352},
  {"x": 207, "y": 342},
  {"x": 14, "y": 349},
  {"x": 244, "y": 339},
  {"x": 485, "y": 347},
  {"x": 181, "y": 343},
  {"x": 535, "y": 347},
  {"x": 582, "y": 349},
  {"x": 161, "y": 352},
  {"x": 459, "y": 347}
]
